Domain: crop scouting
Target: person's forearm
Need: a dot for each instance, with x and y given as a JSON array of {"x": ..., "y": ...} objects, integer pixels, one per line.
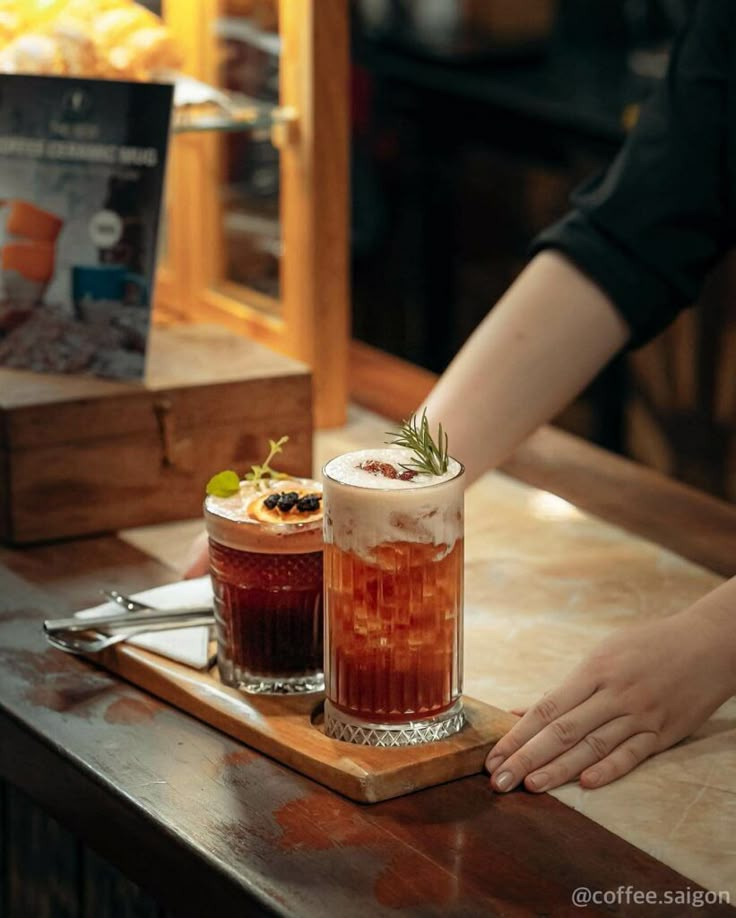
[
  {"x": 715, "y": 614},
  {"x": 536, "y": 350}
]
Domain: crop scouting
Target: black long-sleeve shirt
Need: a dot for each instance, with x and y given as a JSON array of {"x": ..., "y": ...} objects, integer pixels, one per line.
[{"x": 648, "y": 230}]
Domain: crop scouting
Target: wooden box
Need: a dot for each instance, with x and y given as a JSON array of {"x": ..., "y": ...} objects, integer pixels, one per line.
[{"x": 80, "y": 455}]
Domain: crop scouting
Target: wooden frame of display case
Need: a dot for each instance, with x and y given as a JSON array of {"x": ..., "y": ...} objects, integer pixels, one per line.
[{"x": 312, "y": 321}]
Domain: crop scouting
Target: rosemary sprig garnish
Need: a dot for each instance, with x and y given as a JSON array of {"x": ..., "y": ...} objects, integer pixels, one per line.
[{"x": 430, "y": 457}]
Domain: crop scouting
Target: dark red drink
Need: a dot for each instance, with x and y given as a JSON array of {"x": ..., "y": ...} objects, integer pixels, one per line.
[{"x": 266, "y": 569}]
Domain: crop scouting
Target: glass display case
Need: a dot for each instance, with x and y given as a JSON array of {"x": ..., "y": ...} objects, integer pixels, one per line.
[{"x": 257, "y": 201}]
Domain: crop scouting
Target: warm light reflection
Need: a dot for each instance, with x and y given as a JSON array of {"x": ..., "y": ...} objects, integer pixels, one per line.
[{"x": 548, "y": 506}]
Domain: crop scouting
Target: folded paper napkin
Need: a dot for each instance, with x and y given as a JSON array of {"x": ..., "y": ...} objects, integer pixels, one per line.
[{"x": 185, "y": 645}]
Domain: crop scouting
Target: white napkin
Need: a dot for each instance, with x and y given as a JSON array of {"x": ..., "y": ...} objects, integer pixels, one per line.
[{"x": 185, "y": 645}]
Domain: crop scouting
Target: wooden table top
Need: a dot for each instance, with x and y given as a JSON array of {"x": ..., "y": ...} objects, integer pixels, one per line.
[{"x": 205, "y": 823}]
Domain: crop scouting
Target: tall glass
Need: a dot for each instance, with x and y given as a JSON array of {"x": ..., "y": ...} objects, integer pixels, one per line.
[
  {"x": 265, "y": 547},
  {"x": 393, "y": 600}
]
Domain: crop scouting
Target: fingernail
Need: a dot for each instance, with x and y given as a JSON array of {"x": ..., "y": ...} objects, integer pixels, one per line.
[
  {"x": 538, "y": 782},
  {"x": 592, "y": 776},
  {"x": 493, "y": 763},
  {"x": 504, "y": 781}
]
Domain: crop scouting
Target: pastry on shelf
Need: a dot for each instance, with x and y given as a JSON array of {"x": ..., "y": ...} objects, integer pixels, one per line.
[
  {"x": 75, "y": 47},
  {"x": 12, "y": 23},
  {"x": 113, "y": 39},
  {"x": 33, "y": 52},
  {"x": 146, "y": 51}
]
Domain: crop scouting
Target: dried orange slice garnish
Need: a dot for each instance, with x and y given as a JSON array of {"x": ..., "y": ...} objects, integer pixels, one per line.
[{"x": 293, "y": 504}]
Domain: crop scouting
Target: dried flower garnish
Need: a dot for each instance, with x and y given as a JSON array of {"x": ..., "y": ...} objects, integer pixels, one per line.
[
  {"x": 226, "y": 484},
  {"x": 376, "y": 467},
  {"x": 430, "y": 457}
]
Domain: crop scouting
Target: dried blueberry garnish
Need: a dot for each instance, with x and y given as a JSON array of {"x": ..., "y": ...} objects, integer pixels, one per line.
[
  {"x": 271, "y": 501},
  {"x": 287, "y": 501},
  {"x": 309, "y": 503}
]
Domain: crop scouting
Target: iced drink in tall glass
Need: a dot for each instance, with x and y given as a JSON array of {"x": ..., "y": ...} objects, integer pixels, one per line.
[
  {"x": 393, "y": 599},
  {"x": 265, "y": 546}
]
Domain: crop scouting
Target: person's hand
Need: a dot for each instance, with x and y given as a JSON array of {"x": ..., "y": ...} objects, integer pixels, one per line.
[
  {"x": 198, "y": 562},
  {"x": 638, "y": 693}
]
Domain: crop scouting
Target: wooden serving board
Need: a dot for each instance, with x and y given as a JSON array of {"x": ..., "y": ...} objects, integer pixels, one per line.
[{"x": 289, "y": 729}]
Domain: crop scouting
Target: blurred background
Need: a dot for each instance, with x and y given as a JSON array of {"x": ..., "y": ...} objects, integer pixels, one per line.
[{"x": 470, "y": 123}]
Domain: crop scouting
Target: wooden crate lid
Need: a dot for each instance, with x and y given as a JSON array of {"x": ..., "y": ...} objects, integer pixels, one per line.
[{"x": 195, "y": 372}]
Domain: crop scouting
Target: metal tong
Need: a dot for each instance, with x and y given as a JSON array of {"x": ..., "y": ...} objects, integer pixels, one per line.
[{"x": 61, "y": 632}]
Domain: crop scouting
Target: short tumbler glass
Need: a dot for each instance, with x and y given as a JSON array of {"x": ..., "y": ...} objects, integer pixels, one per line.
[{"x": 266, "y": 570}]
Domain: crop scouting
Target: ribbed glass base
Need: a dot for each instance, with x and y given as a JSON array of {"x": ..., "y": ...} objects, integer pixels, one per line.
[
  {"x": 412, "y": 733},
  {"x": 269, "y": 685}
]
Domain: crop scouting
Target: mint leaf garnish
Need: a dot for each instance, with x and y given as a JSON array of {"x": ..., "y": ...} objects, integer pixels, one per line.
[{"x": 224, "y": 484}]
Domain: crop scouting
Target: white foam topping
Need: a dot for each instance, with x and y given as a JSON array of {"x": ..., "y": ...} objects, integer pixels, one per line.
[
  {"x": 363, "y": 509},
  {"x": 347, "y": 469}
]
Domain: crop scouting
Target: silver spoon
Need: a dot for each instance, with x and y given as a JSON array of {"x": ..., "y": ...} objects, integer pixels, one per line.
[
  {"x": 63, "y": 641},
  {"x": 64, "y": 638},
  {"x": 127, "y": 602}
]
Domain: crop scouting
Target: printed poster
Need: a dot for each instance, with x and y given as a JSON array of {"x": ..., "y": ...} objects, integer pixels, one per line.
[{"x": 82, "y": 167}]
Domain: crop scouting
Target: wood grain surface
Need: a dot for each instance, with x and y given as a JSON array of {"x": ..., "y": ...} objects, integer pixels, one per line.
[
  {"x": 289, "y": 729},
  {"x": 208, "y": 825},
  {"x": 315, "y": 167},
  {"x": 42, "y": 861},
  {"x": 310, "y": 321},
  {"x": 81, "y": 455}
]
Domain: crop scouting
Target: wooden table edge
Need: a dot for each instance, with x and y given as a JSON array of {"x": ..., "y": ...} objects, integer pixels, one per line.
[
  {"x": 27, "y": 758},
  {"x": 641, "y": 500}
]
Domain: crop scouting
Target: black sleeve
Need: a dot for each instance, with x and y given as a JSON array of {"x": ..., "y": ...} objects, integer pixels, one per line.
[{"x": 648, "y": 230}]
